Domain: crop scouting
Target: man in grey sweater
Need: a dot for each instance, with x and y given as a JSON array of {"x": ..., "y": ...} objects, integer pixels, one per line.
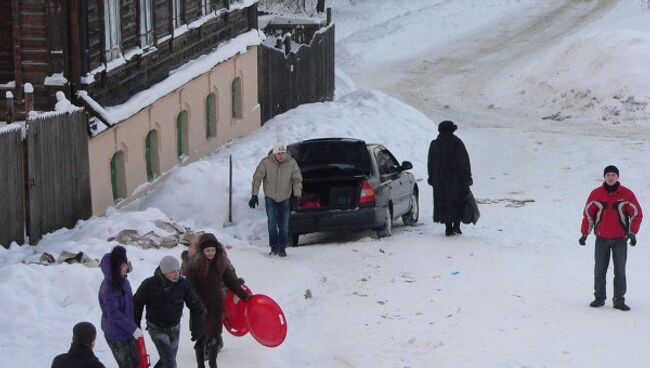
[{"x": 280, "y": 175}]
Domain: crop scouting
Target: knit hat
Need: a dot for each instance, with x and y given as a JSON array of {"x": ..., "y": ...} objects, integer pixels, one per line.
[
  {"x": 208, "y": 240},
  {"x": 169, "y": 264},
  {"x": 447, "y": 126},
  {"x": 279, "y": 148},
  {"x": 610, "y": 168},
  {"x": 84, "y": 333}
]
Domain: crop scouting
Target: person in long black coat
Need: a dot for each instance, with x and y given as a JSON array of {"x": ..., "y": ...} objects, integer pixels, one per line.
[{"x": 450, "y": 174}]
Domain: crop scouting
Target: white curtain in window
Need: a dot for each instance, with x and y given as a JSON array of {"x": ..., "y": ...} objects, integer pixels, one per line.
[
  {"x": 177, "y": 6},
  {"x": 146, "y": 23},
  {"x": 112, "y": 28}
]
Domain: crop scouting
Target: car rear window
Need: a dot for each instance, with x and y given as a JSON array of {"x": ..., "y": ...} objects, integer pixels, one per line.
[{"x": 346, "y": 155}]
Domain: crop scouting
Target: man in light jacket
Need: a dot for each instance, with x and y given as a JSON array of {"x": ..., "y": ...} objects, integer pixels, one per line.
[{"x": 281, "y": 177}]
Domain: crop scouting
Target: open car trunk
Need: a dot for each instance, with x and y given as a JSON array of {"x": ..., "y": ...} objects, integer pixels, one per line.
[
  {"x": 331, "y": 193},
  {"x": 332, "y": 170}
]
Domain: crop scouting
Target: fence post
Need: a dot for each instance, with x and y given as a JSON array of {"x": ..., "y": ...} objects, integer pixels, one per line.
[
  {"x": 329, "y": 16},
  {"x": 29, "y": 97},
  {"x": 287, "y": 44},
  {"x": 230, "y": 192},
  {"x": 11, "y": 113}
]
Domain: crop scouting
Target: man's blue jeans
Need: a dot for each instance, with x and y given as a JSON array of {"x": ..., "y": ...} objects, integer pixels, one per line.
[
  {"x": 277, "y": 214},
  {"x": 166, "y": 341}
]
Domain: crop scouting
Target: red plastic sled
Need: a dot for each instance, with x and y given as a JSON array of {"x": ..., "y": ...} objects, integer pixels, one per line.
[
  {"x": 234, "y": 317},
  {"x": 266, "y": 320},
  {"x": 143, "y": 357}
]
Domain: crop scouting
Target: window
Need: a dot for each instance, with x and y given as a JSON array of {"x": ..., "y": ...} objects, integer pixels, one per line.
[
  {"x": 146, "y": 23},
  {"x": 236, "y": 98},
  {"x": 112, "y": 28},
  {"x": 210, "y": 116},
  {"x": 179, "y": 13},
  {"x": 182, "y": 135},
  {"x": 118, "y": 180},
  {"x": 151, "y": 155},
  {"x": 205, "y": 7},
  {"x": 386, "y": 163}
]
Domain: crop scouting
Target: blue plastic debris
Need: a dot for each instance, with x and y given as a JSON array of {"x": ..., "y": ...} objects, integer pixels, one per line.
[{"x": 456, "y": 273}]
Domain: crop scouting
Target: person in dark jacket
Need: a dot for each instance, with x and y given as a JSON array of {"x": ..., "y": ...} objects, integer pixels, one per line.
[
  {"x": 116, "y": 303},
  {"x": 164, "y": 294},
  {"x": 81, "y": 353},
  {"x": 209, "y": 271},
  {"x": 614, "y": 214},
  {"x": 450, "y": 175}
]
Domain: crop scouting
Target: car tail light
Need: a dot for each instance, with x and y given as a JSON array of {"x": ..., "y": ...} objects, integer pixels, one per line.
[{"x": 367, "y": 194}]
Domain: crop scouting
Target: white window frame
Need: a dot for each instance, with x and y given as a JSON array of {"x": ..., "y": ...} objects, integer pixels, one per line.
[
  {"x": 112, "y": 30},
  {"x": 146, "y": 23},
  {"x": 177, "y": 16},
  {"x": 204, "y": 7}
]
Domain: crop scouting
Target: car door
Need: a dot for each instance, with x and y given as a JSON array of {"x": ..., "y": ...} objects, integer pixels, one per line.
[
  {"x": 402, "y": 187},
  {"x": 390, "y": 176}
]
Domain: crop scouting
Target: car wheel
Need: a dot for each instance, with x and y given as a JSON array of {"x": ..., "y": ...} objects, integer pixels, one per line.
[
  {"x": 293, "y": 240},
  {"x": 411, "y": 217},
  {"x": 387, "y": 229}
]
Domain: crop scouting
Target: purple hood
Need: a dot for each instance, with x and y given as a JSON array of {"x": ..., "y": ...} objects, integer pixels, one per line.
[{"x": 116, "y": 305}]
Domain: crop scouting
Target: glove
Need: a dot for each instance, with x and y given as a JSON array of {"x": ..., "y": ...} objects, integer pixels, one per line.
[
  {"x": 196, "y": 336},
  {"x": 583, "y": 240},
  {"x": 248, "y": 297},
  {"x": 253, "y": 202},
  {"x": 295, "y": 201},
  {"x": 632, "y": 238},
  {"x": 137, "y": 333}
]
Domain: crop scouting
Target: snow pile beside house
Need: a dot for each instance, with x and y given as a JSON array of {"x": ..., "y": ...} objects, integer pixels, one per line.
[
  {"x": 196, "y": 195},
  {"x": 601, "y": 76}
]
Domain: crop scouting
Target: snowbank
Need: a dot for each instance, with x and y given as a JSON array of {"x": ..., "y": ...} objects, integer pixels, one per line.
[
  {"x": 602, "y": 76},
  {"x": 196, "y": 195}
]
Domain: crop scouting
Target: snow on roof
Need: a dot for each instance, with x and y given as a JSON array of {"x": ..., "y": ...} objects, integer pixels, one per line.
[{"x": 190, "y": 70}]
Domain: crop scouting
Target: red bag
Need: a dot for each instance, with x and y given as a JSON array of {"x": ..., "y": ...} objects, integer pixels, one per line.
[
  {"x": 266, "y": 320},
  {"x": 143, "y": 357},
  {"x": 234, "y": 318}
]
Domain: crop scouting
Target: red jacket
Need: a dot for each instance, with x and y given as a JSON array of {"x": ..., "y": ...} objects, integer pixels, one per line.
[{"x": 611, "y": 215}]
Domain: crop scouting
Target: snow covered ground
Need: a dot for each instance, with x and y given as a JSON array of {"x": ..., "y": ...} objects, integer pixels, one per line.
[{"x": 510, "y": 292}]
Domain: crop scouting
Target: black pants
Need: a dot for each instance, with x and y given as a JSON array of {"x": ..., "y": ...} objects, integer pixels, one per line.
[{"x": 618, "y": 249}]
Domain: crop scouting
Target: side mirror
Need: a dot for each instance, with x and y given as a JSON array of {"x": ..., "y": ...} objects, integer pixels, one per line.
[{"x": 406, "y": 166}]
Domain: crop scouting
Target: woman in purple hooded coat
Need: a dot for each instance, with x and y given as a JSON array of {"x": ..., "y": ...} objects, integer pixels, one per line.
[{"x": 116, "y": 302}]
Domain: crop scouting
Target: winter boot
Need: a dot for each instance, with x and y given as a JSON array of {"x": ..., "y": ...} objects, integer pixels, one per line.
[
  {"x": 282, "y": 253},
  {"x": 449, "y": 230},
  {"x": 212, "y": 356},
  {"x": 621, "y": 306},
  {"x": 200, "y": 356},
  {"x": 456, "y": 228},
  {"x": 597, "y": 303}
]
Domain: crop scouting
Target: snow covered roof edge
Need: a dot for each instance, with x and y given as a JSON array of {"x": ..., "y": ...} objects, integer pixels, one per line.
[{"x": 181, "y": 76}]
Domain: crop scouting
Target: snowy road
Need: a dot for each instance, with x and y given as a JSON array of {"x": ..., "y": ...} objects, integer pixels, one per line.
[{"x": 512, "y": 291}]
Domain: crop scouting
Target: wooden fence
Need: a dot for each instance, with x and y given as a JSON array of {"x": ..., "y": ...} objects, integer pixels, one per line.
[
  {"x": 305, "y": 74},
  {"x": 11, "y": 186},
  {"x": 51, "y": 188},
  {"x": 59, "y": 172}
]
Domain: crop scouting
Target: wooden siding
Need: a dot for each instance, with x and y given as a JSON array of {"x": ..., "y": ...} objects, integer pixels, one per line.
[
  {"x": 141, "y": 72},
  {"x": 6, "y": 43},
  {"x": 11, "y": 187},
  {"x": 59, "y": 176},
  {"x": 298, "y": 78},
  {"x": 34, "y": 51}
]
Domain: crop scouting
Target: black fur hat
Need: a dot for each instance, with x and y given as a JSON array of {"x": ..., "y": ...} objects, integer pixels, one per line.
[
  {"x": 447, "y": 126},
  {"x": 208, "y": 240}
]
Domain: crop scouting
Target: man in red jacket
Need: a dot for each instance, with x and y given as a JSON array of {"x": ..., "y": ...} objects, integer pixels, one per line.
[{"x": 614, "y": 214}]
